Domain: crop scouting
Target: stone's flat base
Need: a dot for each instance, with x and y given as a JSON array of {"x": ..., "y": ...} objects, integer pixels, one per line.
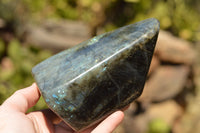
[{"x": 86, "y": 83}]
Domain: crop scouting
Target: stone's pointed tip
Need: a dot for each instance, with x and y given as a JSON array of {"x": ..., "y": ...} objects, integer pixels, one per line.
[
  {"x": 84, "y": 84},
  {"x": 154, "y": 20},
  {"x": 156, "y": 23}
]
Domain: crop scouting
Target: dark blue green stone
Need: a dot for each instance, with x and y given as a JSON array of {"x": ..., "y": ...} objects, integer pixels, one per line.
[{"x": 84, "y": 84}]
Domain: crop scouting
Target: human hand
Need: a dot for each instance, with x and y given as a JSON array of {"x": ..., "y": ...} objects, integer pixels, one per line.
[{"x": 13, "y": 117}]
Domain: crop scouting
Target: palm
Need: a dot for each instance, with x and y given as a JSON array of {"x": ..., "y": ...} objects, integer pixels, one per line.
[
  {"x": 47, "y": 122},
  {"x": 35, "y": 122},
  {"x": 13, "y": 116},
  {"x": 47, "y": 125}
]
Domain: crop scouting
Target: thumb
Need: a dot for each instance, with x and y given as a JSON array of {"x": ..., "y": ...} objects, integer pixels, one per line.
[{"x": 23, "y": 99}]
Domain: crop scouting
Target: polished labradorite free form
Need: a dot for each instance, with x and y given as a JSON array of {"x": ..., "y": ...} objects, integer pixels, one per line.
[{"x": 84, "y": 84}]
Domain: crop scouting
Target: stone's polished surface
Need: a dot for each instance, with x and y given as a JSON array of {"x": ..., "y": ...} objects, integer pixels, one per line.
[{"x": 86, "y": 83}]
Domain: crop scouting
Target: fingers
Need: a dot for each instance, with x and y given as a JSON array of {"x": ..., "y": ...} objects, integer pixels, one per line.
[
  {"x": 22, "y": 99},
  {"x": 44, "y": 120},
  {"x": 110, "y": 123},
  {"x": 51, "y": 116},
  {"x": 40, "y": 122},
  {"x": 63, "y": 128}
]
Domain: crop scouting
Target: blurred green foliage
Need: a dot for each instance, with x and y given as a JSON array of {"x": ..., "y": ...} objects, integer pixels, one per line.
[
  {"x": 2, "y": 48},
  {"x": 158, "y": 126},
  {"x": 15, "y": 68},
  {"x": 181, "y": 17}
]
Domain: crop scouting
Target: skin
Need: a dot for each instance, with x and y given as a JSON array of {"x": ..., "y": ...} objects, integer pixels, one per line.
[{"x": 14, "y": 118}]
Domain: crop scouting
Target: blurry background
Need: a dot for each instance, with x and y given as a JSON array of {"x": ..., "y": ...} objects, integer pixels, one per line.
[{"x": 33, "y": 30}]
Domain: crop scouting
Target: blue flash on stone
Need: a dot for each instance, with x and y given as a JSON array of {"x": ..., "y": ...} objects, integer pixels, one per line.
[
  {"x": 86, "y": 83},
  {"x": 55, "y": 96}
]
